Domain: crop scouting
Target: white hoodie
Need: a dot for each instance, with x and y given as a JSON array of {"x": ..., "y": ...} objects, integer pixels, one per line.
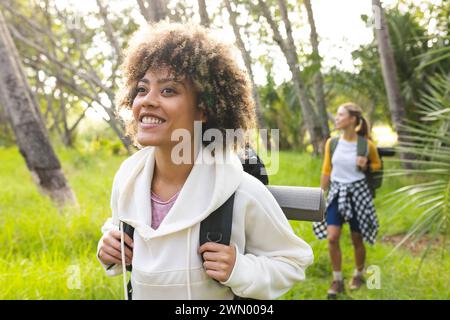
[{"x": 270, "y": 258}]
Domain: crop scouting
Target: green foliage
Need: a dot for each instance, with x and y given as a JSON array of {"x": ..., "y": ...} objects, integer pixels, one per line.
[
  {"x": 432, "y": 160},
  {"x": 282, "y": 113},
  {"x": 95, "y": 136},
  {"x": 419, "y": 55}
]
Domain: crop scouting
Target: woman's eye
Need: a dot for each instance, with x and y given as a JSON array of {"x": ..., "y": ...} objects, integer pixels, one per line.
[
  {"x": 140, "y": 89},
  {"x": 168, "y": 91}
]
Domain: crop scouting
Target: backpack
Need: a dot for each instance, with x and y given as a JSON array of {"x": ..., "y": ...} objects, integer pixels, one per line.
[
  {"x": 217, "y": 226},
  {"x": 374, "y": 178}
]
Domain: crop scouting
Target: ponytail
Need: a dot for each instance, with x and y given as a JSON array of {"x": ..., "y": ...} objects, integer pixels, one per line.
[
  {"x": 362, "y": 128},
  {"x": 362, "y": 125}
]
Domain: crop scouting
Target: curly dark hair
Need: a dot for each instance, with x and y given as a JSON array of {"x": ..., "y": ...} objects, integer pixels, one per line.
[{"x": 224, "y": 91}]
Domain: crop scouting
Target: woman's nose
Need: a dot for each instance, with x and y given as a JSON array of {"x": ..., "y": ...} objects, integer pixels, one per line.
[{"x": 150, "y": 99}]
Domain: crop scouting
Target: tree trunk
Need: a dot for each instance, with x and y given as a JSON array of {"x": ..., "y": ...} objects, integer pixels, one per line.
[
  {"x": 248, "y": 65},
  {"x": 153, "y": 10},
  {"x": 32, "y": 139},
  {"x": 144, "y": 10},
  {"x": 389, "y": 70},
  {"x": 318, "y": 78},
  {"x": 109, "y": 30},
  {"x": 5, "y": 130},
  {"x": 247, "y": 60},
  {"x": 290, "y": 52},
  {"x": 204, "y": 18}
]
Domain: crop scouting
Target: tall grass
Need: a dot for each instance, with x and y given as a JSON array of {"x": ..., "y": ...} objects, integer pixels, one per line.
[
  {"x": 46, "y": 254},
  {"x": 42, "y": 249}
]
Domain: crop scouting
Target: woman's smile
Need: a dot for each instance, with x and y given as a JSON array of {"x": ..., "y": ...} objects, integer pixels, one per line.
[{"x": 149, "y": 121}]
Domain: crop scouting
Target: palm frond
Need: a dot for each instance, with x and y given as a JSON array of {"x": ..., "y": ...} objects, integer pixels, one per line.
[{"x": 429, "y": 141}]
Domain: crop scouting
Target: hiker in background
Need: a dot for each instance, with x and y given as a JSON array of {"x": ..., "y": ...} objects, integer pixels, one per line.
[
  {"x": 347, "y": 161},
  {"x": 177, "y": 74}
]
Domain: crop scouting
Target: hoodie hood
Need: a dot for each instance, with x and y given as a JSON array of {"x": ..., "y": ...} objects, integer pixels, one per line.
[{"x": 212, "y": 180}]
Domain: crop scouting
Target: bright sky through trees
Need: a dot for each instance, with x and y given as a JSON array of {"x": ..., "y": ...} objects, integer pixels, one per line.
[{"x": 339, "y": 25}]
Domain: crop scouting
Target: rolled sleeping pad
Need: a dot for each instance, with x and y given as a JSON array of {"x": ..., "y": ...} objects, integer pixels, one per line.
[{"x": 300, "y": 203}]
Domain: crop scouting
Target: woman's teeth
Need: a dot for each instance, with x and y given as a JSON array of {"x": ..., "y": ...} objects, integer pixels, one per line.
[{"x": 151, "y": 120}]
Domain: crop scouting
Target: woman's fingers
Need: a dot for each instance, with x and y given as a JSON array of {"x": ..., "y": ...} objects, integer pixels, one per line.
[
  {"x": 114, "y": 243},
  {"x": 213, "y": 256},
  {"x": 113, "y": 255},
  {"x": 213, "y": 265},
  {"x": 219, "y": 260},
  {"x": 217, "y": 275},
  {"x": 127, "y": 239},
  {"x": 114, "y": 248},
  {"x": 107, "y": 258},
  {"x": 116, "y": 254},
  {"x": 212, "y": 246},
  {"x": 111, "y": 251},
  {"x": 362, "y": 161},
  {"x": 216, "y": 251}
]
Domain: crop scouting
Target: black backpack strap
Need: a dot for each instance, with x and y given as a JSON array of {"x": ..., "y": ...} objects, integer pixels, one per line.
[
  {"x": 217, "y": 226},
  {"x": 130, "y": 290},
  {"x": 129, "y": 230},
  {"x": 253, "y": 165}
]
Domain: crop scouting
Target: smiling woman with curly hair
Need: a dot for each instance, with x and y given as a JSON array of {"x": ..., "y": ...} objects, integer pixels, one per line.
[
  {"x": 175, "y": 75},
  {"x": 223, "y": 89}
]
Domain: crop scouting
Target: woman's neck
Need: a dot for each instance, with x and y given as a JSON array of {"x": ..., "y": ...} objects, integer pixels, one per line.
[
  {"x": 168, "y": 177},
  {"x": 349, "y": 134}
]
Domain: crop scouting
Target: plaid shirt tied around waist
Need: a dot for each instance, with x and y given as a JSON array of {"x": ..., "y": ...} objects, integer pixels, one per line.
[{"x": 353, "y": 198}]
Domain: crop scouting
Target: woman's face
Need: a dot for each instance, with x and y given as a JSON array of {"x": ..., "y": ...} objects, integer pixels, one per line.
[
  {"x": 344, "y": 119},
  {"x": 162, "y": 105}
]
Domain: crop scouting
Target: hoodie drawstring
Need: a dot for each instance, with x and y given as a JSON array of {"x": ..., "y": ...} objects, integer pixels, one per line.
[
  {"x": 124, "y": 268},
  {"x": 188, "y": 269}
]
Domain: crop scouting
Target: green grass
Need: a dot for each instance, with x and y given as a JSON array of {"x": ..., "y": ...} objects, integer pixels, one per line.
[{"x": 42, "y": 250}]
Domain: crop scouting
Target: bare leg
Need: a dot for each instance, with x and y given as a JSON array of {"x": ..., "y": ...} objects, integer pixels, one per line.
[
  {"x": 360, "y": 250},
  {"x": 334, "y": 234}
]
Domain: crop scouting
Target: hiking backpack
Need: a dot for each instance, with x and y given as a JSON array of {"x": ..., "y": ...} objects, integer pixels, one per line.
[{"x": 374, "y": 178}]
